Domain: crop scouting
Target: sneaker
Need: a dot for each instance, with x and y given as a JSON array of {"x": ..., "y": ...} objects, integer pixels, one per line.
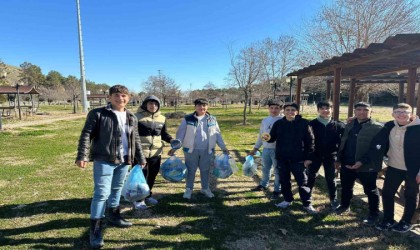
[
  {"x": 259, "y": 188},
  {"x": 207, "y": 193},
  {"x": 139, "y": 205},
  {"x": 370, "y": 220},
  {"x": 187, "y": 193},
  {"x": 275, "y": 195},
  {"x": 310, "y": 209},
  {"x": 402, "y": 227},
  {"x": 334, "y": 204},
  {"x": 151, "y": 201},
  {"x": 284, "y": 204},
  {"x": 385, "y": 226},
  {"x": 342, "y": 210}
]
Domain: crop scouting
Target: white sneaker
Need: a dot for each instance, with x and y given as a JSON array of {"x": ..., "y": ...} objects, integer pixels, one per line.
[
  {"x": 139, "y": 205},
  {"x": 151, "y": 201},
  {"x": 283, "y": 204},
  {"x": 310, "y": 209},
  {"x": 188, "y": 193},
  {"x": 207, "y": 193}
]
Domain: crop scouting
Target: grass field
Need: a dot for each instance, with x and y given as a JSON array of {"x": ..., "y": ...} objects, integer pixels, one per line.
[{"x": 45, "y": 200}]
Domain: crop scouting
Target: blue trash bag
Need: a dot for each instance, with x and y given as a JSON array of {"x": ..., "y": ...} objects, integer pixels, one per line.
[
  {"x": 249, "y": 168},
  {"x": 173, "y": 169},
  {"x": 224, "y": 166},
  {"x": 135, "y": 187}
]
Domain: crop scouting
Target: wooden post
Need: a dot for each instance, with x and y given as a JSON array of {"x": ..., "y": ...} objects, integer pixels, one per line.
[
  {"x": 411, "y": 86},
  {"x": 351, "y": 97},
  {"x": 401, "y": 92},
  {"x": 336, "y": 96},
  {"x": 298, "y": 90},
  {"x": 328, "y": 91}
]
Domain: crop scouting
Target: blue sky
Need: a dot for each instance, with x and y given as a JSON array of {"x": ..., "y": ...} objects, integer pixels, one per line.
[{"x": 129, "y": 40}]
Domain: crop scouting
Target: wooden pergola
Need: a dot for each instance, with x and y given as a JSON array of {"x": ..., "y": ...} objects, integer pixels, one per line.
[
  {"x": 374, "y": 63},
  {"x": 17, "y": 91}
]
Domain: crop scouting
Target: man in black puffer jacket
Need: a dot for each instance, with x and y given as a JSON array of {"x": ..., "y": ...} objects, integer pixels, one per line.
[
  {"x": 327, "y": 134},
  {"x": 294, "y": 148}
]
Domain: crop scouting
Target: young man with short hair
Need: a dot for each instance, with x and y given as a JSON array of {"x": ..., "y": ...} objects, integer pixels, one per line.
[
  {"x": 327, "y": 133},
  {"x": 269, "y": 150},
  {"x": 355, "y": 142},
  {"x": 294, "y": 152},
  {"x": 199, "y": 133},
  {"x": 399, "y": 140},
  {"x": 110, "y": 139}
]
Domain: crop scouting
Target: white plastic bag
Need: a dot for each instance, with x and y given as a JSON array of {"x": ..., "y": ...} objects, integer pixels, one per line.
[
  {"x": 249, "y": 168},
  {"x": 224, "y": 166},
  {"x": 173, "y": 169},
  {"x": 135, "y": 187}
]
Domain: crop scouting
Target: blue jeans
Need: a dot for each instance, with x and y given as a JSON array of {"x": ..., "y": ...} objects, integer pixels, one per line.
[
  {"x": 269, "y": 161},
  {"x": 108, "y": 181}
]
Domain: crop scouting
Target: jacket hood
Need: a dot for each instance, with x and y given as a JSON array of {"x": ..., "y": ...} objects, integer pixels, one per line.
[{"x": 143, "y": 106}]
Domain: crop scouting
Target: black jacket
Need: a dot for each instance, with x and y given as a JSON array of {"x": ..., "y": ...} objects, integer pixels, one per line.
[
  {"x": 327, "y": 137},
  {"x": 100, "y": 138},
  {"x": 294, "y": 139},
  {"x": 380, "y": 146}
]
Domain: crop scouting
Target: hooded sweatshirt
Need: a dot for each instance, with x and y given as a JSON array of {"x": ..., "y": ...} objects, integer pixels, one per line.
[
  {"x": 396, "y": 144},
  {"x": 152, "y": 128}
]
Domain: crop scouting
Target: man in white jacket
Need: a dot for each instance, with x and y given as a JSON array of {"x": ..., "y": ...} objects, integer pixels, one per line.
[{"x": 199, "y": 133}]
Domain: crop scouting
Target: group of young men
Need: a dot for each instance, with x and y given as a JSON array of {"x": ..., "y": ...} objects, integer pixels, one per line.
[
  {"x": 114, "y": 138},
  {"x": 293, "y": 145}
]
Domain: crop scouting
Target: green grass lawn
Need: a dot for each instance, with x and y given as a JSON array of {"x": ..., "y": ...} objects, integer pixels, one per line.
[{"x": 45, "y": 199}]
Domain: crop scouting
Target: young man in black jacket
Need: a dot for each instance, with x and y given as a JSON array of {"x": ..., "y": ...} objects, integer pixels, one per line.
[
  {"x": 294, "y": 148},
  {"x": 327, "y": 133},
  {"x": 110, "y": 139}
]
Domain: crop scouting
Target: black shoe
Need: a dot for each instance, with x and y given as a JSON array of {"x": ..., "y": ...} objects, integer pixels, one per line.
[
  {"x": 259, "y": 188},
  {"x": 370, "y": 220},
  {"x": 115, "y": 218},
  {"x": 342, "y": 210},
  {"x": 385, "y": 225},
  {"x": 402, "y": 227},
  {"x": 275, "y": 195},
  {"x": 96, "y": 239},
  {"x": 334, "y": 204}
]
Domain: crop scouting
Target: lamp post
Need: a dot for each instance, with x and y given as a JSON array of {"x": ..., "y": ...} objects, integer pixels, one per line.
[
  {"x": 18, "y": 99},
  {"x": 290, "y": 82}
]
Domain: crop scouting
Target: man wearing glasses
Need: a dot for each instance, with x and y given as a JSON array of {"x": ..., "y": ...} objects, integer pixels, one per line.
[
  {"x": 355, "y": 142},
  {"x": 399, "y": 139}
]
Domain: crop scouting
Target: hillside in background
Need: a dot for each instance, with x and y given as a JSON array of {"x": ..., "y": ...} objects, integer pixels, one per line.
[{"x": 12, "y": 75}]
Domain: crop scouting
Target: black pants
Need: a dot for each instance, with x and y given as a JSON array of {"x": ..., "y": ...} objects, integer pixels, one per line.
[
  {"x": 393, "y": 179},
  {"x": 329, "y": 169},
  {"x": 299, "y": 172},
  {"x": 368, "y": 180},
  {"x": 151, "y": 171}
]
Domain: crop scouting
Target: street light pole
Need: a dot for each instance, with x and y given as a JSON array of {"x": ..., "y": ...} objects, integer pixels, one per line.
[{"x": 82, "y": 63}]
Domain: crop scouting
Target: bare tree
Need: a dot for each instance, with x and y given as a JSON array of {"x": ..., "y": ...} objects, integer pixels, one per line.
[
  {"x": 277, "y": 58},
  {"x": 245, "y": 70},
  {"x": 162, "y": 86},
  {"x": 72, "y": 86},
  {"x": 346, "y": 25}
]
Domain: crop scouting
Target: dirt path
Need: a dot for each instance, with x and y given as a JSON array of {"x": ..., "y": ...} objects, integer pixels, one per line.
[{"x": 40, "y": 120}]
